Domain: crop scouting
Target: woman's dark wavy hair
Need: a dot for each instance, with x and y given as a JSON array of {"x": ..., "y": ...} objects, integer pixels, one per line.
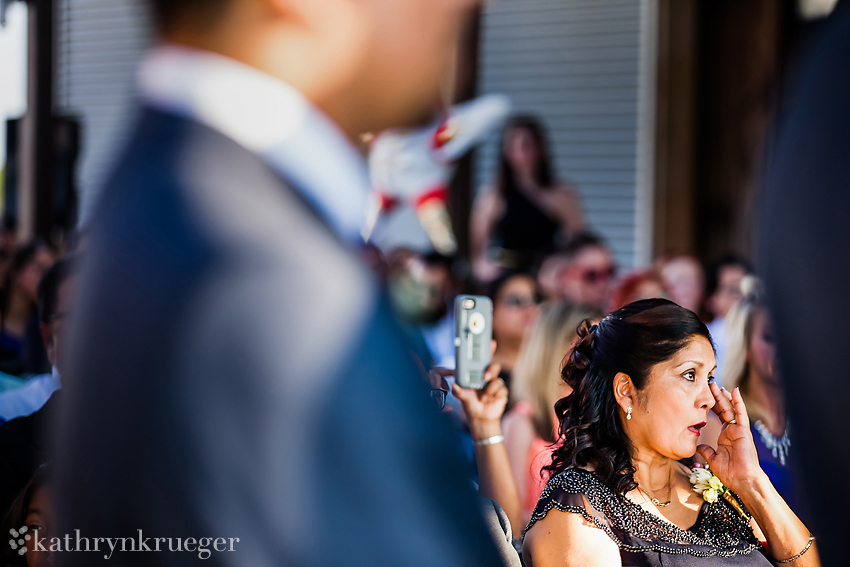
[
  {"x": 543, "y": 176},
  {"x": 631, "y": 340}
]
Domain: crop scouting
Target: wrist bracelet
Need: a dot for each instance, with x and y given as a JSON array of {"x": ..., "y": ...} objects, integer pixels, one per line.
[
  {"x": 489, "y": 441},
  {"x": 799, "y": 555}
]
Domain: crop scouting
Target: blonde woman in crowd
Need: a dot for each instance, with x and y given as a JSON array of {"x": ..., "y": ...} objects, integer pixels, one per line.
[
  {"x": 531, "y": 425},
  {"x": 751, "y": 366}
]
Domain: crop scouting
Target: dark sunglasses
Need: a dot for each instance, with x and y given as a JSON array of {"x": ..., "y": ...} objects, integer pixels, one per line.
[{"x": 592, "y": 276}]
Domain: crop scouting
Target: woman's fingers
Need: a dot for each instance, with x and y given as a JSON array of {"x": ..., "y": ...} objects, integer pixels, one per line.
[
  {"x": 723, "y": 408},
  {"x": 492, "y": 371},
  {"x": 740, "y": 408},
  {"x": 437, "y": 377},
  {"x": 717, "y": 408},
  {"x": 707, "y": 453},
  {"x": 496, "y": 389},
  {"x": 463, "y": 394}
]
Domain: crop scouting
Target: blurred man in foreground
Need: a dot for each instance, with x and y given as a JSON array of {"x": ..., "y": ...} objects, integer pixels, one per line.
[
  {"x": 258, "y": 388},
  {"x": 805, "y": 259}
]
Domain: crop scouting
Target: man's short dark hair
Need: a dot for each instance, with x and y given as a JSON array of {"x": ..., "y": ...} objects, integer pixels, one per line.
[
  {"x": 580, "y": 242},
  {"x": 48, "y": 287}
]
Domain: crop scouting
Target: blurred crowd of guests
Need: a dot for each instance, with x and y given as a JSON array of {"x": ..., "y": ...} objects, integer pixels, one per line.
[{"x": 543, "y": 268}]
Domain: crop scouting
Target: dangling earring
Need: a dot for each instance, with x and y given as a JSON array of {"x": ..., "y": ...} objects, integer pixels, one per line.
[{"x": 629, "y": 413}]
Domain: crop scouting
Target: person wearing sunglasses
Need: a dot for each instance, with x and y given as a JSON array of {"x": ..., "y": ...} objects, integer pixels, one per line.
[{"x": 588, "y": 273}]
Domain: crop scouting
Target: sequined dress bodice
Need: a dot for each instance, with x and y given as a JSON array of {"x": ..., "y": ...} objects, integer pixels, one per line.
[{"x": 720, "y": 536}]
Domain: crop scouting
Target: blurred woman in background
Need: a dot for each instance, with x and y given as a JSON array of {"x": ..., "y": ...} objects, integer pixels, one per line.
[
  {"x": 684, "y": 279},
  {"x": 18, "y": 319},
  {"x": 528, "y": 212},
  {"x": 530, "y": 428},
  {"x": 751, "y": 366},
  {"x": 515, "y": 306}
]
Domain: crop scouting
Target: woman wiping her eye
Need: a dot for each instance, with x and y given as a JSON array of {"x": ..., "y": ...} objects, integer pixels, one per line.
[{"x": 617, "y": 495}]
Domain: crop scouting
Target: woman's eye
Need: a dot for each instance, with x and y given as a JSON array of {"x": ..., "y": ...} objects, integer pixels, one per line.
[
  {"x": 711, "y": 379},
  {"x": 690, "y": 375},
  {"x": 34, "y": 526}
]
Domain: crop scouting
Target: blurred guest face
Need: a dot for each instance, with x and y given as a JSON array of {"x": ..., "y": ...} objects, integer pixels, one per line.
[
  {"x": 761, "y": 352},
  {"x": 521, "y": 150},
  {"x": 587, "y": 280},
  {"x": 670, "y": 411},
  {"x": 40, "y": 517},
  {"x": 728, "y": 290},
  {"x": 514, "y": 309},
  {"x": 547, "y": 277},
  {"x": 53, "y": 332},
  {"x": 31, "y": 273},
  {"x": 684, "y": 280},
  {"x": 648, "y": 289}
]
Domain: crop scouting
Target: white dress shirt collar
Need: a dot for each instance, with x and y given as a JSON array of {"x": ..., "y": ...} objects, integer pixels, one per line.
[{"x": 269, "y": 118}]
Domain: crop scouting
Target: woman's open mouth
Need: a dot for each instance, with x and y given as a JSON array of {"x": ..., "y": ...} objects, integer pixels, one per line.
[{"x": 696, "y": 428}]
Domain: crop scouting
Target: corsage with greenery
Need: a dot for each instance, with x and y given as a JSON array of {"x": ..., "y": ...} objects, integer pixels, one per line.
[{"x": 711, "y": 488}]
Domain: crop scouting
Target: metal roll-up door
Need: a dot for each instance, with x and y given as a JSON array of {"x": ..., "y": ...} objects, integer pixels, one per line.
[
  {"x": 580, "y": 65},
  {"x": 99, "y": 45}
]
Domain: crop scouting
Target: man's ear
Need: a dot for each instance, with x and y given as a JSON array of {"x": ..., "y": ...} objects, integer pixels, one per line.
[{"x": 624, "y": 390}]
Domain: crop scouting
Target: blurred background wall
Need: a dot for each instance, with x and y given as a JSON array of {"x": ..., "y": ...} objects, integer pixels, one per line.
[
  {"x": 98, "y": 45},
  {"x": 583, "y": 67}
]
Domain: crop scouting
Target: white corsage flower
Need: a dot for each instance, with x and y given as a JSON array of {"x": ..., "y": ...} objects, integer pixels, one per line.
[
  {"x": 711, "y": 488},
  {"x": 706, "y": 484},
  {"x": 699, "y": 478},
  {"x": 715, "y": 483}
]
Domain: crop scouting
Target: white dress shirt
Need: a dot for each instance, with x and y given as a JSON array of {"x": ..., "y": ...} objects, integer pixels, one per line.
[
  {"x": 268, "y": 117},
  {"x": 30, "y": 397}
]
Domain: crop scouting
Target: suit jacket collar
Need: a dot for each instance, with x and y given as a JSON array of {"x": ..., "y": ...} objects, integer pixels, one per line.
[{"x": 269, "y": 118}]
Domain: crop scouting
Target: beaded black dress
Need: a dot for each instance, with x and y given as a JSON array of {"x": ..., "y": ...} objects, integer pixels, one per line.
[{"x": 720, "y": 536}]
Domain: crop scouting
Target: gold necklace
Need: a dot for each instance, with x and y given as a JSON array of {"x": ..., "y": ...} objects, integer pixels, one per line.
[{"x": 656, "y": 501}]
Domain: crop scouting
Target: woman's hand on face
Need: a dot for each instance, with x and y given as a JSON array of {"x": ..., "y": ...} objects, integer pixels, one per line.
[
  {"x": 485, "y": 406},
  {"x": 735, "y": 461}
]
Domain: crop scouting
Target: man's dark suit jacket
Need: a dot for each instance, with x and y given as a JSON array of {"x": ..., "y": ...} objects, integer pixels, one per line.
[
  {"x": 237, "y": 375},
  {"x": 805, "y": 259}
]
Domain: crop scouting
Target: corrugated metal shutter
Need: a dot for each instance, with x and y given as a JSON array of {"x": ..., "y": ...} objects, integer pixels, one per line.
[
  {"x": 577, "y": 64},
  {"x": 99, "y": 44}
]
